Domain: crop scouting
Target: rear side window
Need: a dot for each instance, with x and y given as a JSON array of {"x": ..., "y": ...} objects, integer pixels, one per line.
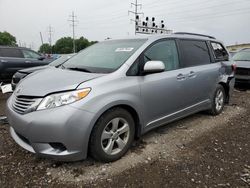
[
  {"x": 194, "y": 53},
  {"x": 164, "y": 51},
  {"x": 10, "y": 52},
  {"x": 220, "y": 52}
]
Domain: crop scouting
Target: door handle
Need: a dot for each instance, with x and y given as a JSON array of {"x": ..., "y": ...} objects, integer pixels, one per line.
[
  {"x": 27, "y": 61},
  {"x": 192, "y": 74},
  {"x": 181, "y": 77},
  {"x": 3, "y": 61}
]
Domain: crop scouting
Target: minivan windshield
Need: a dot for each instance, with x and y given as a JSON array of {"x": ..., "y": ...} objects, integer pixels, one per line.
[
  {"x": 104, "y": 57},
  {"x": 243, "y": 55}
]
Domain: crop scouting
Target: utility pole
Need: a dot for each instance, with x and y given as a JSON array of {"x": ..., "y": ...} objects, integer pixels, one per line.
[
  {"x": 50, "y": 31},
  {"x": 73, "y": 24},
  {"x": 136, "y": 13},
  {"x": 41, "y": 37}
]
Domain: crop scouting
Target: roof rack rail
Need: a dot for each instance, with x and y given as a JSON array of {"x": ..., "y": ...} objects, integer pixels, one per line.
[{"x": 196, "y": 34}]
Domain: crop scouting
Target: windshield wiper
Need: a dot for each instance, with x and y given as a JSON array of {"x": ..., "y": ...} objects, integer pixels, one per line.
[
  {"x": 61, "y": 66},
  {"x": 241, "y": 60},
  {"x": 79, "y": 69}
]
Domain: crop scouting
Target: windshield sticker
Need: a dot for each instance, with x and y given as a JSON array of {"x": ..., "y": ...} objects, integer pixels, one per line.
[{"x": 124, "y": 49}]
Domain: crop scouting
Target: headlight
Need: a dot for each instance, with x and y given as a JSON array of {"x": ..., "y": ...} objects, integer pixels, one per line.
[{"x": 60, "y": 99}]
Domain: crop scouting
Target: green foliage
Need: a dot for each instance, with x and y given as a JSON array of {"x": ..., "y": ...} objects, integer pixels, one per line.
[
  {"x": 45, "y": 48},
  {"x": 65, "y": 45},
  {"x": 81, "y": 43},
  {"x": 7, "y": 39}
]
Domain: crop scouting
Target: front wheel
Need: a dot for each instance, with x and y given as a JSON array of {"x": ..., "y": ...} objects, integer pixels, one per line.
[
  {"x": 218, "y": 100},
  {"x": 112, "y": 135}
]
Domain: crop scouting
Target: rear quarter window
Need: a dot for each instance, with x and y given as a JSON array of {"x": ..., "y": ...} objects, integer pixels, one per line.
[
  {"x": 194, "y": 53},
  {"x": 220, "y": 53},
  {"x": 10, "y": 52}
]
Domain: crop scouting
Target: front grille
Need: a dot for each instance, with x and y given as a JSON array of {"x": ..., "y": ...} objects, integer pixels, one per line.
[
  {"x": 24, "y": 104},
  {"x": 243, "y": 71}
]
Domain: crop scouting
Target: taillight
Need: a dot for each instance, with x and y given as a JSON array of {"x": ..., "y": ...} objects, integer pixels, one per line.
[{"x": 234, "y": 67}]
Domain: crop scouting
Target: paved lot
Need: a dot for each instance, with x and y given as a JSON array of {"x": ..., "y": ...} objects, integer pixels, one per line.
[{"x": 198, "y": 151}]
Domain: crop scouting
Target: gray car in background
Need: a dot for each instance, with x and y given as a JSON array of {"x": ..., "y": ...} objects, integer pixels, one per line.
[
  {"x": 242, "y": 75},
  {"x": 104, "y": 97}
]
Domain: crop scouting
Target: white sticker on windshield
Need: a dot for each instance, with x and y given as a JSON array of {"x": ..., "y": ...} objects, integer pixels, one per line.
[{"x": 124, "y": 49}]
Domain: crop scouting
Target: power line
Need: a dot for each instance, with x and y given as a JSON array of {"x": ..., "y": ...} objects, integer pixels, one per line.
[
  {"x": 200, "y": 8},
  {"x": 73, "y": 20},
  {"x": 209, "y": 16},
  {"x": 136, "y": 13}
]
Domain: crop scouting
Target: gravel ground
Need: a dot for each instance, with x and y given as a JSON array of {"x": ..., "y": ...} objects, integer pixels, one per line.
[{"x": 198, "y": 151}]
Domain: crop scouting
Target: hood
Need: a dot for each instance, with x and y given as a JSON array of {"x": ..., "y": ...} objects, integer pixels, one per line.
[
  {"x": 33, "y": 69},
  {"x": 243, "y": 64},
  {"x": 52, "y": 80}
]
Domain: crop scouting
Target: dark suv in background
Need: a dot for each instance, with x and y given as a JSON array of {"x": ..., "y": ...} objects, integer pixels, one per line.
[
  {"x": 13, "y": 59},
  {"x": 24, "y": 72}
]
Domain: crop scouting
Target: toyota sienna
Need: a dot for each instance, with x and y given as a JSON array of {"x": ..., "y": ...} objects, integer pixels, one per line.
[{"x": 103, "y": 98}]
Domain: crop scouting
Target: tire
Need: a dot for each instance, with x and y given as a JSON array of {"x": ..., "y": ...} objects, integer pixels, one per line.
[
  {"x": 218, "y": 101},
  {"x": 112, "y": 135}
]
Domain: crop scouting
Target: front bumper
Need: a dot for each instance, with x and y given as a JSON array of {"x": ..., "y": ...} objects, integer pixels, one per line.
[
  {"x": 61, "y": 133},
  {"x": 242, "y": 81}
]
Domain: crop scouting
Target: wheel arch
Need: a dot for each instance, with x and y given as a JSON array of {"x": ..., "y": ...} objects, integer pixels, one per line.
[
  {"x": 226, "y": 89},
  {"x": 130, "y": 108}
]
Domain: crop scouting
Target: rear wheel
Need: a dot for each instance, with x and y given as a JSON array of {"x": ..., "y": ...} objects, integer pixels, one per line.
[
  {"x": 112, "y": 135},
  {"x": 218, "y": 100}
]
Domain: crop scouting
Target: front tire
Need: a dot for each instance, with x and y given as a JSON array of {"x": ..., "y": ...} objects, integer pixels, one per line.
[
  {"x": 218, "y": 100},
  {"x": 112, "y": 135}
]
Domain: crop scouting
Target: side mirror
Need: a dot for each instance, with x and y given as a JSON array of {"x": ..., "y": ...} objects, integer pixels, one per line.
[
  {"x": 41, "y": 58},
  {"x": 151, "y": 67}
]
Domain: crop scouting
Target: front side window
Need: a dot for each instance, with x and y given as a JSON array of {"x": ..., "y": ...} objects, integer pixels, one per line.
[
  {"x": 30, "y": 54},
  {"x": 194, "y": 53},
  {"x": 104, "y": 57},
  {"x": 219, "y": 52},
  {"x": 164, "y": 51}
]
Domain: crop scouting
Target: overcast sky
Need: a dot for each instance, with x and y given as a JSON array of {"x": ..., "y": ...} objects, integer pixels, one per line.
[{"x": 228, "y": 20}]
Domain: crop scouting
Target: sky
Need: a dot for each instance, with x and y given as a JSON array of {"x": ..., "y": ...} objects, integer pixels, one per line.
[{"x": 227, "y": 20}]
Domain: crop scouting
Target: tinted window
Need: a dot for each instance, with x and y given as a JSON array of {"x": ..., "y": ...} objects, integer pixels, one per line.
[
  {"x": 30, "y": 54},
  {"x": 219, "y": 51},
  {"x": 194, "y": 53},
  {"x": 10, "y": 52},
  {"x": 164, "y": 51}
]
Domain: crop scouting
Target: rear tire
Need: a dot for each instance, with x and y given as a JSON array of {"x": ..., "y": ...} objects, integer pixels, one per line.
[
  {"x": 218, "y": 101},
  {"x": 112, "y": 135}
]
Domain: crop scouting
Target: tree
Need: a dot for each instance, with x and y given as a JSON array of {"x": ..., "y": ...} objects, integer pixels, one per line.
[
  {"x": 45, "y": 48},
  {"x": 63, "y": 45},
  {"x": 81, "y": 43},
  {"x": 7, "y": 39}
]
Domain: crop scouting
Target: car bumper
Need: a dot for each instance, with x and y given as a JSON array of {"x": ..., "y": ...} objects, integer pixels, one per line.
[
  {"x": 61, "y": 133},
  {"x": 242, "y": 81}
]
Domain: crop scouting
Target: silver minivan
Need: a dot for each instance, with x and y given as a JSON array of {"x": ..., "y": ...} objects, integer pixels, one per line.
[{"x": 103, "y": 98}]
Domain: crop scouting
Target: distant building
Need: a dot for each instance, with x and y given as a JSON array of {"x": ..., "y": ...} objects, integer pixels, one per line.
[{"x": 237, "y": 47}]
